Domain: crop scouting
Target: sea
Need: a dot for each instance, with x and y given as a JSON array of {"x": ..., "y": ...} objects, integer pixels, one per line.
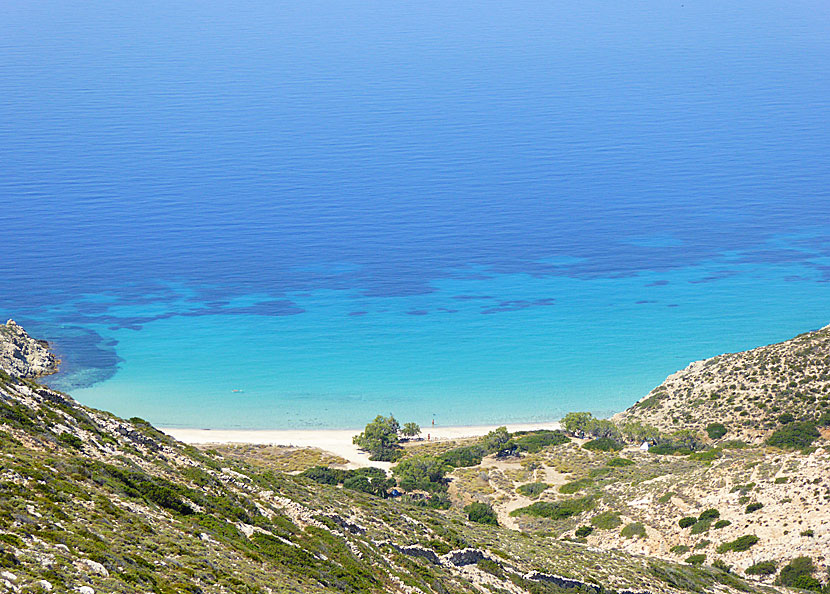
[{"x": 276, "y": 214}]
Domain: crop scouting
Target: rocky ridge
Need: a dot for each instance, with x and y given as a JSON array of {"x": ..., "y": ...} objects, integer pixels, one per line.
[{"x": 748, "y": 391}]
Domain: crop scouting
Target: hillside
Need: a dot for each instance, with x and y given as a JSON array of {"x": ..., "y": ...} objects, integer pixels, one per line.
[
  {"x": 748, "y": 392},
  {"x": 93, "y": 503}
]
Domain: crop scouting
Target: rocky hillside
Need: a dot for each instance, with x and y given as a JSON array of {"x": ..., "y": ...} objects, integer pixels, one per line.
[
  {"x": 22, "y": 355},
  {"x": 750, "y": 393},
  {"x": 93, "y": 503}
]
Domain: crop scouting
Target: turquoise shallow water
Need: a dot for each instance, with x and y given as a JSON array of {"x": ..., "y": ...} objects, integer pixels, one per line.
[
  {"x": 476, "y": 211},
  {"x": 598, "y": 344}
]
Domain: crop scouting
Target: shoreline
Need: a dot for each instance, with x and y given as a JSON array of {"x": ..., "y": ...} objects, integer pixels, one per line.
[{"x": 335, "y": 441}]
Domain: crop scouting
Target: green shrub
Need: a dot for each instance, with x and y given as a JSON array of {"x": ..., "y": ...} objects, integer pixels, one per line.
[
  {"x": 620, "y": 462},
  {"x": 709, "y": 514},
  {"x": 680, "y": 549},
  {"x": 421, "y": 472},
  {"x": 742, "y": 543},
  {"x": 780, "y": 480},
  {"x": 703, "y": 544},
  {"x": 490, "y": 567},
  {"x": 697, "y": 559},
  {"x": 798, "y": 573},
  {"x": 701, "y": 526},
  {"x": 753, "y": 507},
  {"x": 762, "y": 568},
  {"x": 666, "y": 449},
  {"x": 723, "y": 566},
  {"x": 666, "y": 497},
  {"x": 606, "y": 520},
  {"x": 795, "y": 436},
  {"x": 533, "y": 442},
  {"x": 722, "y": 524},
  {"x": 603, "y": 444},
  {"x": 687, "y": 521},
  {"x": 73, "y": 441},
  {"x": 583, "y": 531},
  {"x": 786, "y": 418},
  {"x": 481, "y": 513},
  {"x": 809, "y": 532},
  {"x": 556, "y": 510},
  {"x": 575, "y": 486},
  {"x": 716, "y": 430},
  {"x": 633, "y": 530},
  {"x": 532, "y": 490},
  {"x": 463, "y": 457},
  {"x": 706, "y": 455}
]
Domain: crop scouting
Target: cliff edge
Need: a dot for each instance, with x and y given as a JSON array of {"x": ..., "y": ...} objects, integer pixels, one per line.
[{"x": 23, "y": 356}]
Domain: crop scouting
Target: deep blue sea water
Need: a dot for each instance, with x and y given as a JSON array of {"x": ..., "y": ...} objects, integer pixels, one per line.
[{"x": 302, "y": 214}]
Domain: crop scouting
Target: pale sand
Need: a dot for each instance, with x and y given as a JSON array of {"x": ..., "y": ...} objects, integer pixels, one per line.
[{"x": 336, "y": 441}]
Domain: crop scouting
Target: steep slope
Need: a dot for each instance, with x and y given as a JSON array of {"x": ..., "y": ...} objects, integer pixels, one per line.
[
  {"x": 748, "y": 392},
  {"x": 93, "y": 503}
]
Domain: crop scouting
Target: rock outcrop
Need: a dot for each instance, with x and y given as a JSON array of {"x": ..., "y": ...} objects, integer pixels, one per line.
[{"x": 23, "y": 356}]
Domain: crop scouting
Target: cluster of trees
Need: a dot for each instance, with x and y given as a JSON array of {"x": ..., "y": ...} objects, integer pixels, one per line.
[
  {"x": 583, "y": 424},
  {"x": 382, "y": 438}
]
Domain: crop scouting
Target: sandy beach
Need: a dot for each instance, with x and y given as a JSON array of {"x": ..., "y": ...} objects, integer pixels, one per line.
[{"x": 336, "y": 441}]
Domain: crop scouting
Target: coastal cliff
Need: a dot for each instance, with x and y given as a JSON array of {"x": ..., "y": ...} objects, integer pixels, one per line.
[{"x": 23, "y": 356}]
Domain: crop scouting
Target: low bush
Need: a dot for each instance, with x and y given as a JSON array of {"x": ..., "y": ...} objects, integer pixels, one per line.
[
  {"x": 575, "y": 486},
  {"x": 533, "y": 442},
  {"x": 697, "y": 559},
  {"x": 556, "y": 510},
  {"x": 680, "y": 549},
  {"x": 795, "y": 436},
  {"x": 532, "y": 490},
  {"x": 620, "y": 462},
  {"x": 742, "y": 543},
  {"x": 73, "y": 441},
  {"x": 722, "y": 524},
  {"x": 463, "y": 457},
  {"x": 701, "y": 526},
  {"x": 606, "y": 520},
  {"x": 715, "y": 430},
  {"x": 583, "y": 531},
  {"x": 633, "y": 530},
  {"x": 798, "y": 573},
  {"x": 687, "y": 522},
  {"x": 762, "y": 568},
  {"x": 709, "y": 514},
  {"x": 753, "y": 507},
  {"x": 809, "y": 532},
  {"x": 481, "y": 513}
]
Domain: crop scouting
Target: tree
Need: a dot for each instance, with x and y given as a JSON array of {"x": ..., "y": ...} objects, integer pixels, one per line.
[
  {"x": 411, "y": 430},
  {"x": 380, "y": 439},
  {"x": 637, "y": 432},
  {"x": 421, "y": 472},
  {"x": 497, "y": 440},
  {"x": 602, "y": 428},
  {"x": 576, "y": 423},
  {"x": 686, "y": 438}
]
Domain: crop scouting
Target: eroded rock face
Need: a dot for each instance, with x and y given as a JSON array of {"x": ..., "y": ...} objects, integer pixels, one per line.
[{"x": 23, "y": 356}]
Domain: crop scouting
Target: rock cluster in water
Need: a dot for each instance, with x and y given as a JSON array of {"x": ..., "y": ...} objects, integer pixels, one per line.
[{"x": 22, "y": 355}]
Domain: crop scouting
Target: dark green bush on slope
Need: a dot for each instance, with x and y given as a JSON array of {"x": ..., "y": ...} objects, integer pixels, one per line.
[
  {"x": 794, "y": 436},
  {"x": 481, "y": 513},
  {"x": 716, "y": 430}
]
